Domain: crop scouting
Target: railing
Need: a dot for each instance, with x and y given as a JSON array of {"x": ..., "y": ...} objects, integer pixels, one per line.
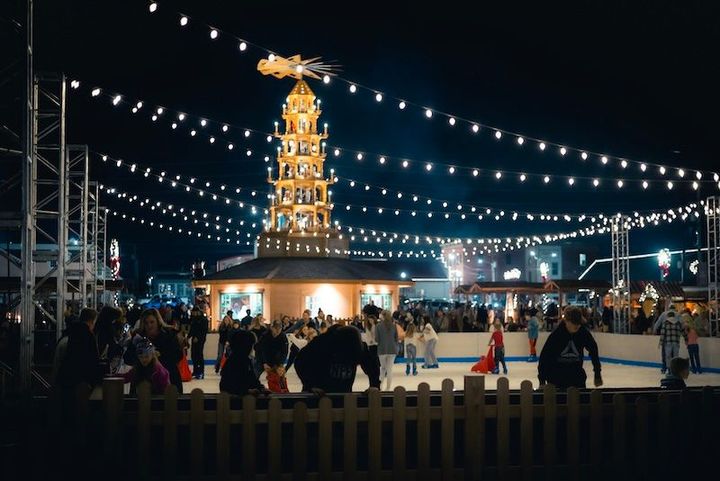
[{"x": 419, "y": 435}]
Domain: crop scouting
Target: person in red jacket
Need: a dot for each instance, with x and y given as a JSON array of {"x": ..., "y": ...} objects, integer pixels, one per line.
[{"x": 497, "y": 340}]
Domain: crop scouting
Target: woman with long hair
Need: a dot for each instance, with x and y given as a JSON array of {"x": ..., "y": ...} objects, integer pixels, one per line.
[
  {"x": 370, "y": 362},
  {"x": 165, "y": 340},
  {"x": 412, "y": 337},
  {"x": 386, "y": 336}
]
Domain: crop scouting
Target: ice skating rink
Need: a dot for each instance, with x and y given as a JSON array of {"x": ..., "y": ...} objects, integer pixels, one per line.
[{"x": 614, "y": 376}]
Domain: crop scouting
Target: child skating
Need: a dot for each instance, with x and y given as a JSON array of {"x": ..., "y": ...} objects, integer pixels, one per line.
[{"x": 497, "y": 340}]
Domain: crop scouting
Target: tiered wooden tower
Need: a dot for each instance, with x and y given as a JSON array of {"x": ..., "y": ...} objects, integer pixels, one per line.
[{"x": 301, "y": 205}]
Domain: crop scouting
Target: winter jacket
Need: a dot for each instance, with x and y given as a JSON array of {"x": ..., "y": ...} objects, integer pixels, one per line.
[
  {"x": 237, "y": 375},
  {"x": 159, "y": 378},
  {"x": 82, "y": 361},
  {"x": 672, "y": 382},
  {"x": 672, "y": 331},
  {"x": 272, "y": 350},
  {"x": 561, "y": 359},
  {"x": 387, "y": 339},
  {"x": 198, "y": 327},
  {"x": 330, "y": 361},
  {"x": 170, "y": 353}
]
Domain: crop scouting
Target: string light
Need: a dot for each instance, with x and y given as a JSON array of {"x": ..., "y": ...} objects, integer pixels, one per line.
[
  {"x": 429, "y": 113},
  {"x": 213, "y": 34},
  {"x": 183, "y": 21},
  {"x": 353, "y": 89}
]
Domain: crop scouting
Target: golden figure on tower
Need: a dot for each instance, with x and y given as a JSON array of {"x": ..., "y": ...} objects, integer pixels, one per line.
[{"x": 301, "y": 205}]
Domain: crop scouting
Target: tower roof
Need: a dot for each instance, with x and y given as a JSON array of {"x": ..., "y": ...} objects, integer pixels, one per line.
[{"x": 301, "y": 88}]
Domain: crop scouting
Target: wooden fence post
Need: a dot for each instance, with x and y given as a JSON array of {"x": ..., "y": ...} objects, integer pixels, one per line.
[
  {"x": 222, "y": 434},
  {"x": 550, "y": 429},
  {"x": 170, "y": 422},
  {"x": 112, "y": 407},
  {"x": 573, "y": 432},
  {"x": 350, "y": 417},
  {"x": 474, "y": 426},
  {"x": 197, "y": 433},
  {"x": 503, "y": 426},
  {"x": 423, "y": 431},
  {"x": 274, "y": 439},
  {"x": 82, "y": 411},
  {"x": 325, "y": 438},
  {"x": 248, "y": 436},
  {"x": 619, "y": 459},
  {"x": 374, "y": 434},
  {"x": 447, "y": 430},
  {"x": 526, "y": 429},
  {"x": 143, "y": 429},
  {"x": 399, "y": 433},
  {"x": 299, "y": 441},
  {"x": 596, "y": 433},
  {"x": 641, "y": 438},
  {"x": 664, "y": 438}
]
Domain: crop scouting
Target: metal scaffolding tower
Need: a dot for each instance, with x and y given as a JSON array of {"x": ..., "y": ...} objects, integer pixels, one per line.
[
  {"x": 620, "y": 274},
  {"x": 78, "y": 273},
  {"x": 712, "y": 211}
]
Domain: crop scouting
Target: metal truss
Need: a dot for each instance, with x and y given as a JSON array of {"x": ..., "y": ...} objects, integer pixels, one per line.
[
  {"x": 620, "y": 274},
  {"x": 712, "y": 211}
]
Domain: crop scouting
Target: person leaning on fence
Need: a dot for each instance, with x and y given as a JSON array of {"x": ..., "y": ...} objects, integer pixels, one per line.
[
  {"x": 561, "y": 359},
  {"x": 166, "y": 342},
  {"x": 237, "y": 376},
  {"x": 271, "y": 352},
  {"x": 148, "y": 368},
  {"x": 329, "y": 363}
]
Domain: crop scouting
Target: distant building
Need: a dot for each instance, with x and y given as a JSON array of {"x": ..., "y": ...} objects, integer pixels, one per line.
[{"x": 172, "y": 284}]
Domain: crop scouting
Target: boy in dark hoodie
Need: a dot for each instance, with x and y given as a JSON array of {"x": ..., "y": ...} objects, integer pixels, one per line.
[
  {"x": 561, "y": 359},
  {"x": 329, "y": 363},
  {"x": 237, "y": 376},
  {"x": 679, "y": 372}
]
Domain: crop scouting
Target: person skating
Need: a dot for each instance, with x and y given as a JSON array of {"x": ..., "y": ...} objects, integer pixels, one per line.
[
  {"x": 237, "y": 375},
  {"x": 386, "y": 336},
  {"x": 412, "y": 338},
  {"x": 670, "y": 334},
  {"x": 561, "y": 359},
  {"x": 533, "y": 330},
  {"x": 496, "y": 339},
  {"x": 223, "y": 333},
  {"x": 329, "y": 363},
  {"x": 430, "y": 338}
]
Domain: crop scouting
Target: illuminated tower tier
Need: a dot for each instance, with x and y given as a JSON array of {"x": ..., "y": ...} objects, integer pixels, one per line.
[{"x": 300, "y": 211}]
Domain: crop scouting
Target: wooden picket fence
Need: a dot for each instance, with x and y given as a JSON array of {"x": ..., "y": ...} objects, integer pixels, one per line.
[{"x": 469, "y": 434}]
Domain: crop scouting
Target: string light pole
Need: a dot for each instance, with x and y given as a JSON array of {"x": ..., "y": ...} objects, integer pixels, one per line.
[
  {"x": 712, "y": 211},
  {"x": 620, "y": 274}
]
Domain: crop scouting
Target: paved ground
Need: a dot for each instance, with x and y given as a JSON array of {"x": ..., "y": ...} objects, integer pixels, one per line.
[{"x": 614, "y": 375}]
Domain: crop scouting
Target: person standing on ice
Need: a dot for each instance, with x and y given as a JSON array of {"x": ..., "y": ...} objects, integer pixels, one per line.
[{"x": 561, "y": 359}]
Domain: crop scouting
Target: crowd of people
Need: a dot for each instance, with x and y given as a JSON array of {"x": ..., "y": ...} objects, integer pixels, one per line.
[{"x": 151, "y": 345}]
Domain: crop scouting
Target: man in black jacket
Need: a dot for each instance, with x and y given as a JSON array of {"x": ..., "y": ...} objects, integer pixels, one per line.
[
  {"x": 198, "y": 335},
  {"x": 272, "y": 348},
  {"x": 82, "y": 361},
  {"x": 561, "y": 359},
  {"x": 329, "y": 362}
]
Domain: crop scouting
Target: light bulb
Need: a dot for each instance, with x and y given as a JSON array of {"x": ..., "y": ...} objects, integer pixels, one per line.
[
  {"x": 475, "y": 172},
  {"x": 563, "y": 151},
  {"x": 181, "y": 117},
  {"x": 247, "y": 133},
  {"x": 160, "y": 110},
  {"x": 428, "y": 113},
  {"x": 669, "y": 185},
  {"x": 326, "y": 79},
  {"x": 153, "y": 7},
  {"x": 604, "y": 159},
  {"x": 620, "y": 183},
  {"x": 401, "y": 105},
  {"x": 662, "y": 170},
  {"x": 695, "y": 185},
  {"x": 451, "y": 170},
  {"x": 428, "y": 167},
  {"x": 213, "y": 34},
  {"x": 353, "y": 88},
  {"x": 681, "y": 173},
  {"x": 546, "y": 179},
  {"x": 571, "y": 181},
  {"x": 523, "y": 177},
  {"x": 225, "y": 128},
  {"x": 596, "y": 182},
  {"x": 643, "y": 167},
  {"x": 117, "y": 99},
  {"x": 192, "y": 133},
  {"x": 203, "y": 122},
  {"x": 520, "y": 140},
  {"x": 475, "y": 128},
  {"x": 336, "y": 152},
  {"x": 451, "y": 120},
  {"x": 183, "y": 21},
  {"x": 498, "y": 175},
  {"x": 382, "y": 160},
  {"x": 498, "y": 134},
  {"x": 698, "y": 175},
  {"x": 583, "y": 155},
  {"x": 359, "y": 156},
  {"x": 405, "y": 163},
  {"x": 378, "y": 97},
  {"x": 299, "y": 68},
  {"x": 230, "y": 146},
  {"x": 542, "y": 146},
  {"x": 95, "y": 92}
]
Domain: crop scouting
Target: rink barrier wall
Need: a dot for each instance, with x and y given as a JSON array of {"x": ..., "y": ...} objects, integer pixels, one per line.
[
  {"x": 448, "y": 434},
  {"x": 628, "y": 349}
]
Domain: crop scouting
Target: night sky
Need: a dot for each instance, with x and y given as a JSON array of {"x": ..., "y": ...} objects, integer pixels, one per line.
[{"x": 632, "y": 79}]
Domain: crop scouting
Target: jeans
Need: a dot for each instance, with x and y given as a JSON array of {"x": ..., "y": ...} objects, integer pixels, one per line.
[
  {"x": 410, "y": 355},
  {"x": 672, "y": 349},
  {"x": 694, "y": 352},
  {"x": 662, "y": 358},
  {"x": 386, "y": 365},
  {"x": 430, "y": 359}
]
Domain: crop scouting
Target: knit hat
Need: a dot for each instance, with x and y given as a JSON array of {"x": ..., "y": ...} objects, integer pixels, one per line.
[{"x": 143, "y": 346}]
